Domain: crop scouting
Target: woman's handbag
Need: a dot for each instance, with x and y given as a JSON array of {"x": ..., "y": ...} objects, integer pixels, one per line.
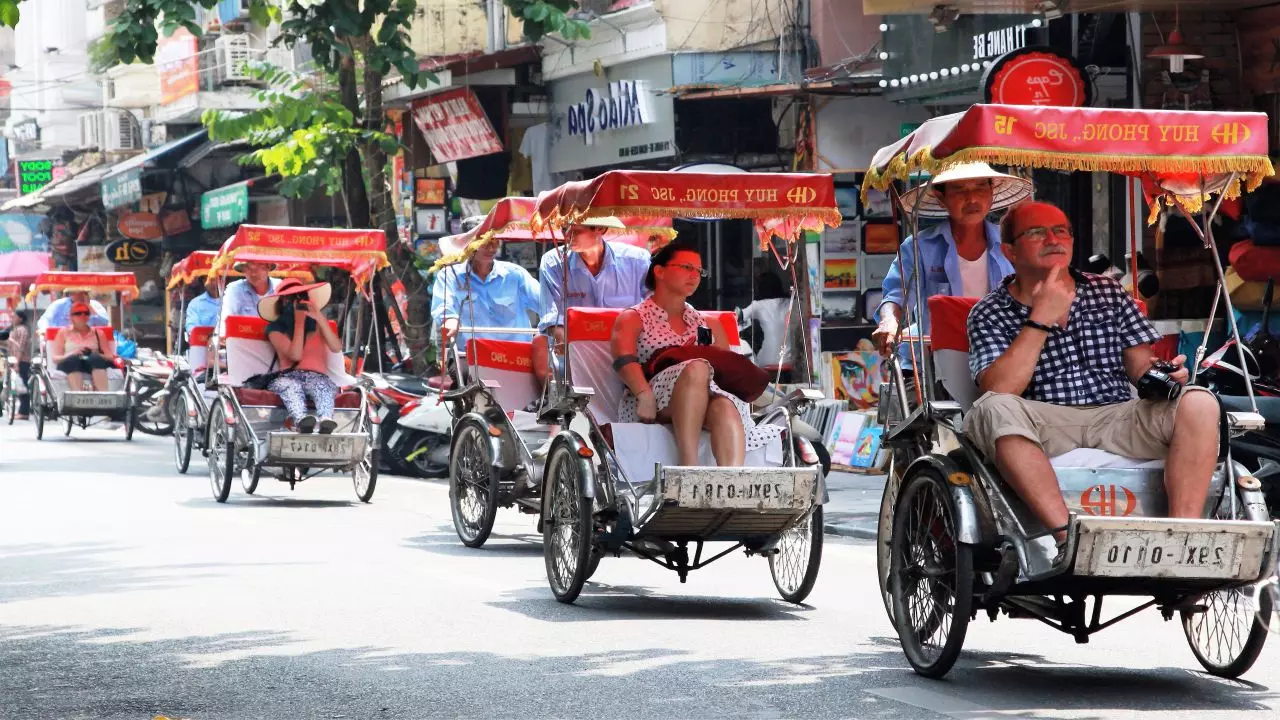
[{"x": 734, "y": 373}]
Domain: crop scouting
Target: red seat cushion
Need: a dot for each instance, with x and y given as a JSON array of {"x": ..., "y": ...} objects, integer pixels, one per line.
[
  {"x": 1255, "y": 263},
  {"x": 266, "y": 398},
  {"x": 440, "y": 382}
]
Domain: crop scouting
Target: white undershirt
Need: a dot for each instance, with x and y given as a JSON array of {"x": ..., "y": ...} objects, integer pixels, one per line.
[{"x": 973, "y": 274}]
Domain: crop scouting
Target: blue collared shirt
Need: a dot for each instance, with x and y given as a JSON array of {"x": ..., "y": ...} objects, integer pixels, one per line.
[
  {"x": 620, "y": 283},
  {"x": 240, "y": 299},
  {"x": 203, "y": 311},
  {"x": 508, "y": 297},
  {"x": 58, "y": 315},
  {"x": 941, "y": 264}
]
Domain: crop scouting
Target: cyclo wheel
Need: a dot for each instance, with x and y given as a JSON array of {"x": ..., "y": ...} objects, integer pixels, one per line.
[
  {"x": 37, "y": 405},
  {"x": 130, "y": 422},
  {"x": 930, "y": 575},
  {"x": 222, "y": 453},
  {"x": 364, "y": 476},
  {"x": 184, "y": 435},
  {"x": 884, "y": 530},
  {"x": 795, "y": 565},
  {"x": 249, "y": 480},
  {"x": 568, "y": 527},
  {"x": 1228, "y": 635},
  {"x": 473, "y": 484}
]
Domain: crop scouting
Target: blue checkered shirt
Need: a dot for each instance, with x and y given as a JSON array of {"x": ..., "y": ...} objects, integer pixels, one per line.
[{"x": 1080, "y": 365}]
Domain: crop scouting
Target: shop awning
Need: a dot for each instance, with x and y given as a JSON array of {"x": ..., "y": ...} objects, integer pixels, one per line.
[
  {"x": 181, "y": 145},
  {"x": 1000, "y": 7},
  {"x": 65, "y": 187}
]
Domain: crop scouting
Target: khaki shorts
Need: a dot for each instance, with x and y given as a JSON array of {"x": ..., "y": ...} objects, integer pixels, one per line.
[{"x": 1138, "y": 429}]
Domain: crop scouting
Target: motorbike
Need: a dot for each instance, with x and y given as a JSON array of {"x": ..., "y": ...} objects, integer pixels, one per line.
[{"x": 414, "y": 441}]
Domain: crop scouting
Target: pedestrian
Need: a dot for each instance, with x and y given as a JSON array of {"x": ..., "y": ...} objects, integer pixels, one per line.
[
  {"x": 770, "y": 310},
  {"x": 20, "y": 352}
]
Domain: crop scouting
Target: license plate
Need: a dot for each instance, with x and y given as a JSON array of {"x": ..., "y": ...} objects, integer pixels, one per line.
[
  {"x": 1145, "y": 553},
  {"x": 769, "y": 494},
  {"x": 317, "y": 447},
  {"x": 91, "y": 401}
]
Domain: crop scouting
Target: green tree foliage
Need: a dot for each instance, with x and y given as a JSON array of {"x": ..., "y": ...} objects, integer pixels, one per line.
[{"x": 544, "y": 17}]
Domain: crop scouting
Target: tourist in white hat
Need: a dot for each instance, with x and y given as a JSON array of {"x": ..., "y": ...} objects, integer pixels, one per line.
[{"x": 960, "y": 257}]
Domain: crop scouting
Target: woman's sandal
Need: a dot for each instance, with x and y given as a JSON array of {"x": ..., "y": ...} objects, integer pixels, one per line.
[{"x": 1061, "y": 544}]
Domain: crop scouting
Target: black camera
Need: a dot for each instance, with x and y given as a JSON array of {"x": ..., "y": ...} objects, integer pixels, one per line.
[{"x": 1157, "y": 383}]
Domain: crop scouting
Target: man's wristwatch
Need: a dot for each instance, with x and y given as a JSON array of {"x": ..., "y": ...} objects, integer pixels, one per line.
[{"x": 1038, "y": 326}]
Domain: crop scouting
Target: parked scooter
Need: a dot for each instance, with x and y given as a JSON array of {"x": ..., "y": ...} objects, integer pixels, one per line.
[{"x": 409, "y": 449}]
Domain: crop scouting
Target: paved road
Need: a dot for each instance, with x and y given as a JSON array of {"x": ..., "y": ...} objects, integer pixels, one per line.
[{"x": 126, "y": 592}]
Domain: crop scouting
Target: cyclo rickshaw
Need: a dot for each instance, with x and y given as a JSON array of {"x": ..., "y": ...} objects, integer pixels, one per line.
[
  {"x": 954, "y": 538},
  {"x": 245, "y": 433},
  {"x": 186, "y": 390},
  {"x": 51, "y": 397},
  {"x": 502, "y": 367},
  {"x": 607, "y": 486},
  {"x": 10, "y": 295}
]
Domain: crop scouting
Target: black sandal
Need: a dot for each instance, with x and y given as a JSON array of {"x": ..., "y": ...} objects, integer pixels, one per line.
[{"x": 1061, "y": 555}]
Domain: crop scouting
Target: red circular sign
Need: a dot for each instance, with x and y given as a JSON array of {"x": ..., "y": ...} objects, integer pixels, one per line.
[{"x": 1037, "y": 76}]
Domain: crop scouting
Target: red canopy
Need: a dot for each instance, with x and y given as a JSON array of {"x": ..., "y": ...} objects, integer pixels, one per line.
[
  {"x": 782, "y": 204},
  {"x": 1181, "y": 151},
  {"x": 359, "y": 252},
  {"x": 93, "y": 282},
  {"x": 11, "y": 292},
  {"x": 199, "y": 264},
  {"x": 509, "y": 221}
]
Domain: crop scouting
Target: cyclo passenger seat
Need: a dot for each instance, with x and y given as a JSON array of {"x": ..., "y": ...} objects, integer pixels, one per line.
[
  {"x": 115, "y": 376},
  {"x": 637, "y": 446},
  {"x": 249, "y": 353},
  {"x": 1093, "y": 482},
  {"x": 198, "y": 348}
]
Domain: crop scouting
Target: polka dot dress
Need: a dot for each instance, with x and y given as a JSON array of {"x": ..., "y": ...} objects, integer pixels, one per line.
[{"x": 656, "y": 334}]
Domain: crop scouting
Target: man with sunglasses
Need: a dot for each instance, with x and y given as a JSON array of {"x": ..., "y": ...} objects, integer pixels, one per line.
[
  {"x": 58, "y": 314},
  {"x": 1055, "y": 353}
]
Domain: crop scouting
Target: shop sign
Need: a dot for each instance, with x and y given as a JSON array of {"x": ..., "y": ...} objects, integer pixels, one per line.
[
  {"x": 625, "y": 104},
  {"x": 995, "y": 43},
  {"x": 455, "y": 126},
  {"x": 179, "y": 64},
  {"x": 1037, "y": 76},
  {"x": 175, "y": 222},
  {"x": 35, "y": 174},
  {"x": 140, "y": 226},
  {"x": 225, "y": 207},
  {"x": 122, "y": 189},
  {"x": 130, "y": 252},
  {"x": 25, "y": 135},
  {"x": 624, "y": 123}
]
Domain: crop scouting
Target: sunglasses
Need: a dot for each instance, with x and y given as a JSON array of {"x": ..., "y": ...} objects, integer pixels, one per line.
[{"x": 80, "y": 314}]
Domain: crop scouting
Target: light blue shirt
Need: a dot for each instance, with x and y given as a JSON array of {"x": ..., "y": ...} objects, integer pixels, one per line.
[
  {"x": 240, "y": 299},
  {"x": 203, "y": 311},
  {"x": 620, "y": 283},
  {"x": 508, "y": 297},
  {"x": 941, "y": 264},
  {"x": 58, "y": 315}
]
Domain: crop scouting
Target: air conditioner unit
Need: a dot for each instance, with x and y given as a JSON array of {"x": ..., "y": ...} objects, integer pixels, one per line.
[
  {"x": 123, "y": 132},
  {"x": 233, "y": 53},
  {"x": 91, "y": 130}
]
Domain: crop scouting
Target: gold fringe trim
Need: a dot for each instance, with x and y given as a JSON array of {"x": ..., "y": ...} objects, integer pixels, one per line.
[
  {"x": 557, "y": 220},
  {"x": 667, "y": 234},
  {"x": 317, "y": 257},
  {"x": 131, "y": 291},
  {"x": 1253, "y": 169}
]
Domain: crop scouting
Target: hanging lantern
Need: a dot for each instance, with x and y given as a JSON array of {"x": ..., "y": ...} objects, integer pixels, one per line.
[{"x": 1175, "y": 50}]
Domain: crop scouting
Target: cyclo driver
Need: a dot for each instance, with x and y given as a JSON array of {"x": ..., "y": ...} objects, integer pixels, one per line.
[{"x": 1054, "y": 352}]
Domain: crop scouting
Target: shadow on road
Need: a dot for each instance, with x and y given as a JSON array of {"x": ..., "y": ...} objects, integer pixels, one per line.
[
  {"x": 110, "y": 674},
  {"x": 445, "y": 542}
]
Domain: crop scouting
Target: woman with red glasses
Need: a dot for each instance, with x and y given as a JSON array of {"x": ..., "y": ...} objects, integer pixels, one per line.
[{"x": 79, "y": 349}]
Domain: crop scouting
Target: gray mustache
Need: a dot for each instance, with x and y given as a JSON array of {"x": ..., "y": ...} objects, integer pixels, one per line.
[{"x": 1052, "y": 251}]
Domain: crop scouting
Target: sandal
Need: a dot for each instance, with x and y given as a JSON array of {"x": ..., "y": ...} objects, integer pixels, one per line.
[
  {"x": 1061, "y": 555},
  {"x": 307, "y": 425}
]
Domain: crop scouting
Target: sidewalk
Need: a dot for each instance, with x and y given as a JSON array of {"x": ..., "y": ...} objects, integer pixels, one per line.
[{"x": 854, "y": 505}]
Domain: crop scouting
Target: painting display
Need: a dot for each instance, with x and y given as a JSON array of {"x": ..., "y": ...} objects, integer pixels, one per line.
[
  {"x": 856, "y": 378},
  {"x": 841, "y": 240},
  {"x": 878, "y": 205},
  {"x": 880, "y": 238},
  {"x": 840, "y": 273},
  {"x": 843, "y": 442}
]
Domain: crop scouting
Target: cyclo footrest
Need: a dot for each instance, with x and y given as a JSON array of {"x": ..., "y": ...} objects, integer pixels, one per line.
[
  {"x": 316, "y": 450},
  {"x": 1231, "y": 550}
]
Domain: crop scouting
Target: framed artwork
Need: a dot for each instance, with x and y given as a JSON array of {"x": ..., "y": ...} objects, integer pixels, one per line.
[
  {"x": 847, "y": 201},
  {"x": 841, "y": 240},
  {"x": 841, "y": 306},
  {"x": 840, "y": 273},
  {"x": 844, "y": 437},
  {"x": 857, "y": 377},
  {"x": 428, "y": 191},
  {"x": 878, "y": 204},
  {"x": 868, "y": 447},
  {"x": 880, "y": 238}
]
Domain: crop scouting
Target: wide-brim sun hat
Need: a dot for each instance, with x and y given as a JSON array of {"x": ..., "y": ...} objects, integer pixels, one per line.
[
  {"x": 605, "y": 221},
  {"x": 452, "y": 244},
  {"x": 318, "y": 295},
  {"x": 239, "y": 266},
  {"x": 1006, "y": 190}
]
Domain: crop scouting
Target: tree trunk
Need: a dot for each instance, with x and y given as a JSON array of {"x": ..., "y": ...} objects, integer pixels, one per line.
[
  {"x": 353, "y": 182},
  {"x": 383, "y": 216}
]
